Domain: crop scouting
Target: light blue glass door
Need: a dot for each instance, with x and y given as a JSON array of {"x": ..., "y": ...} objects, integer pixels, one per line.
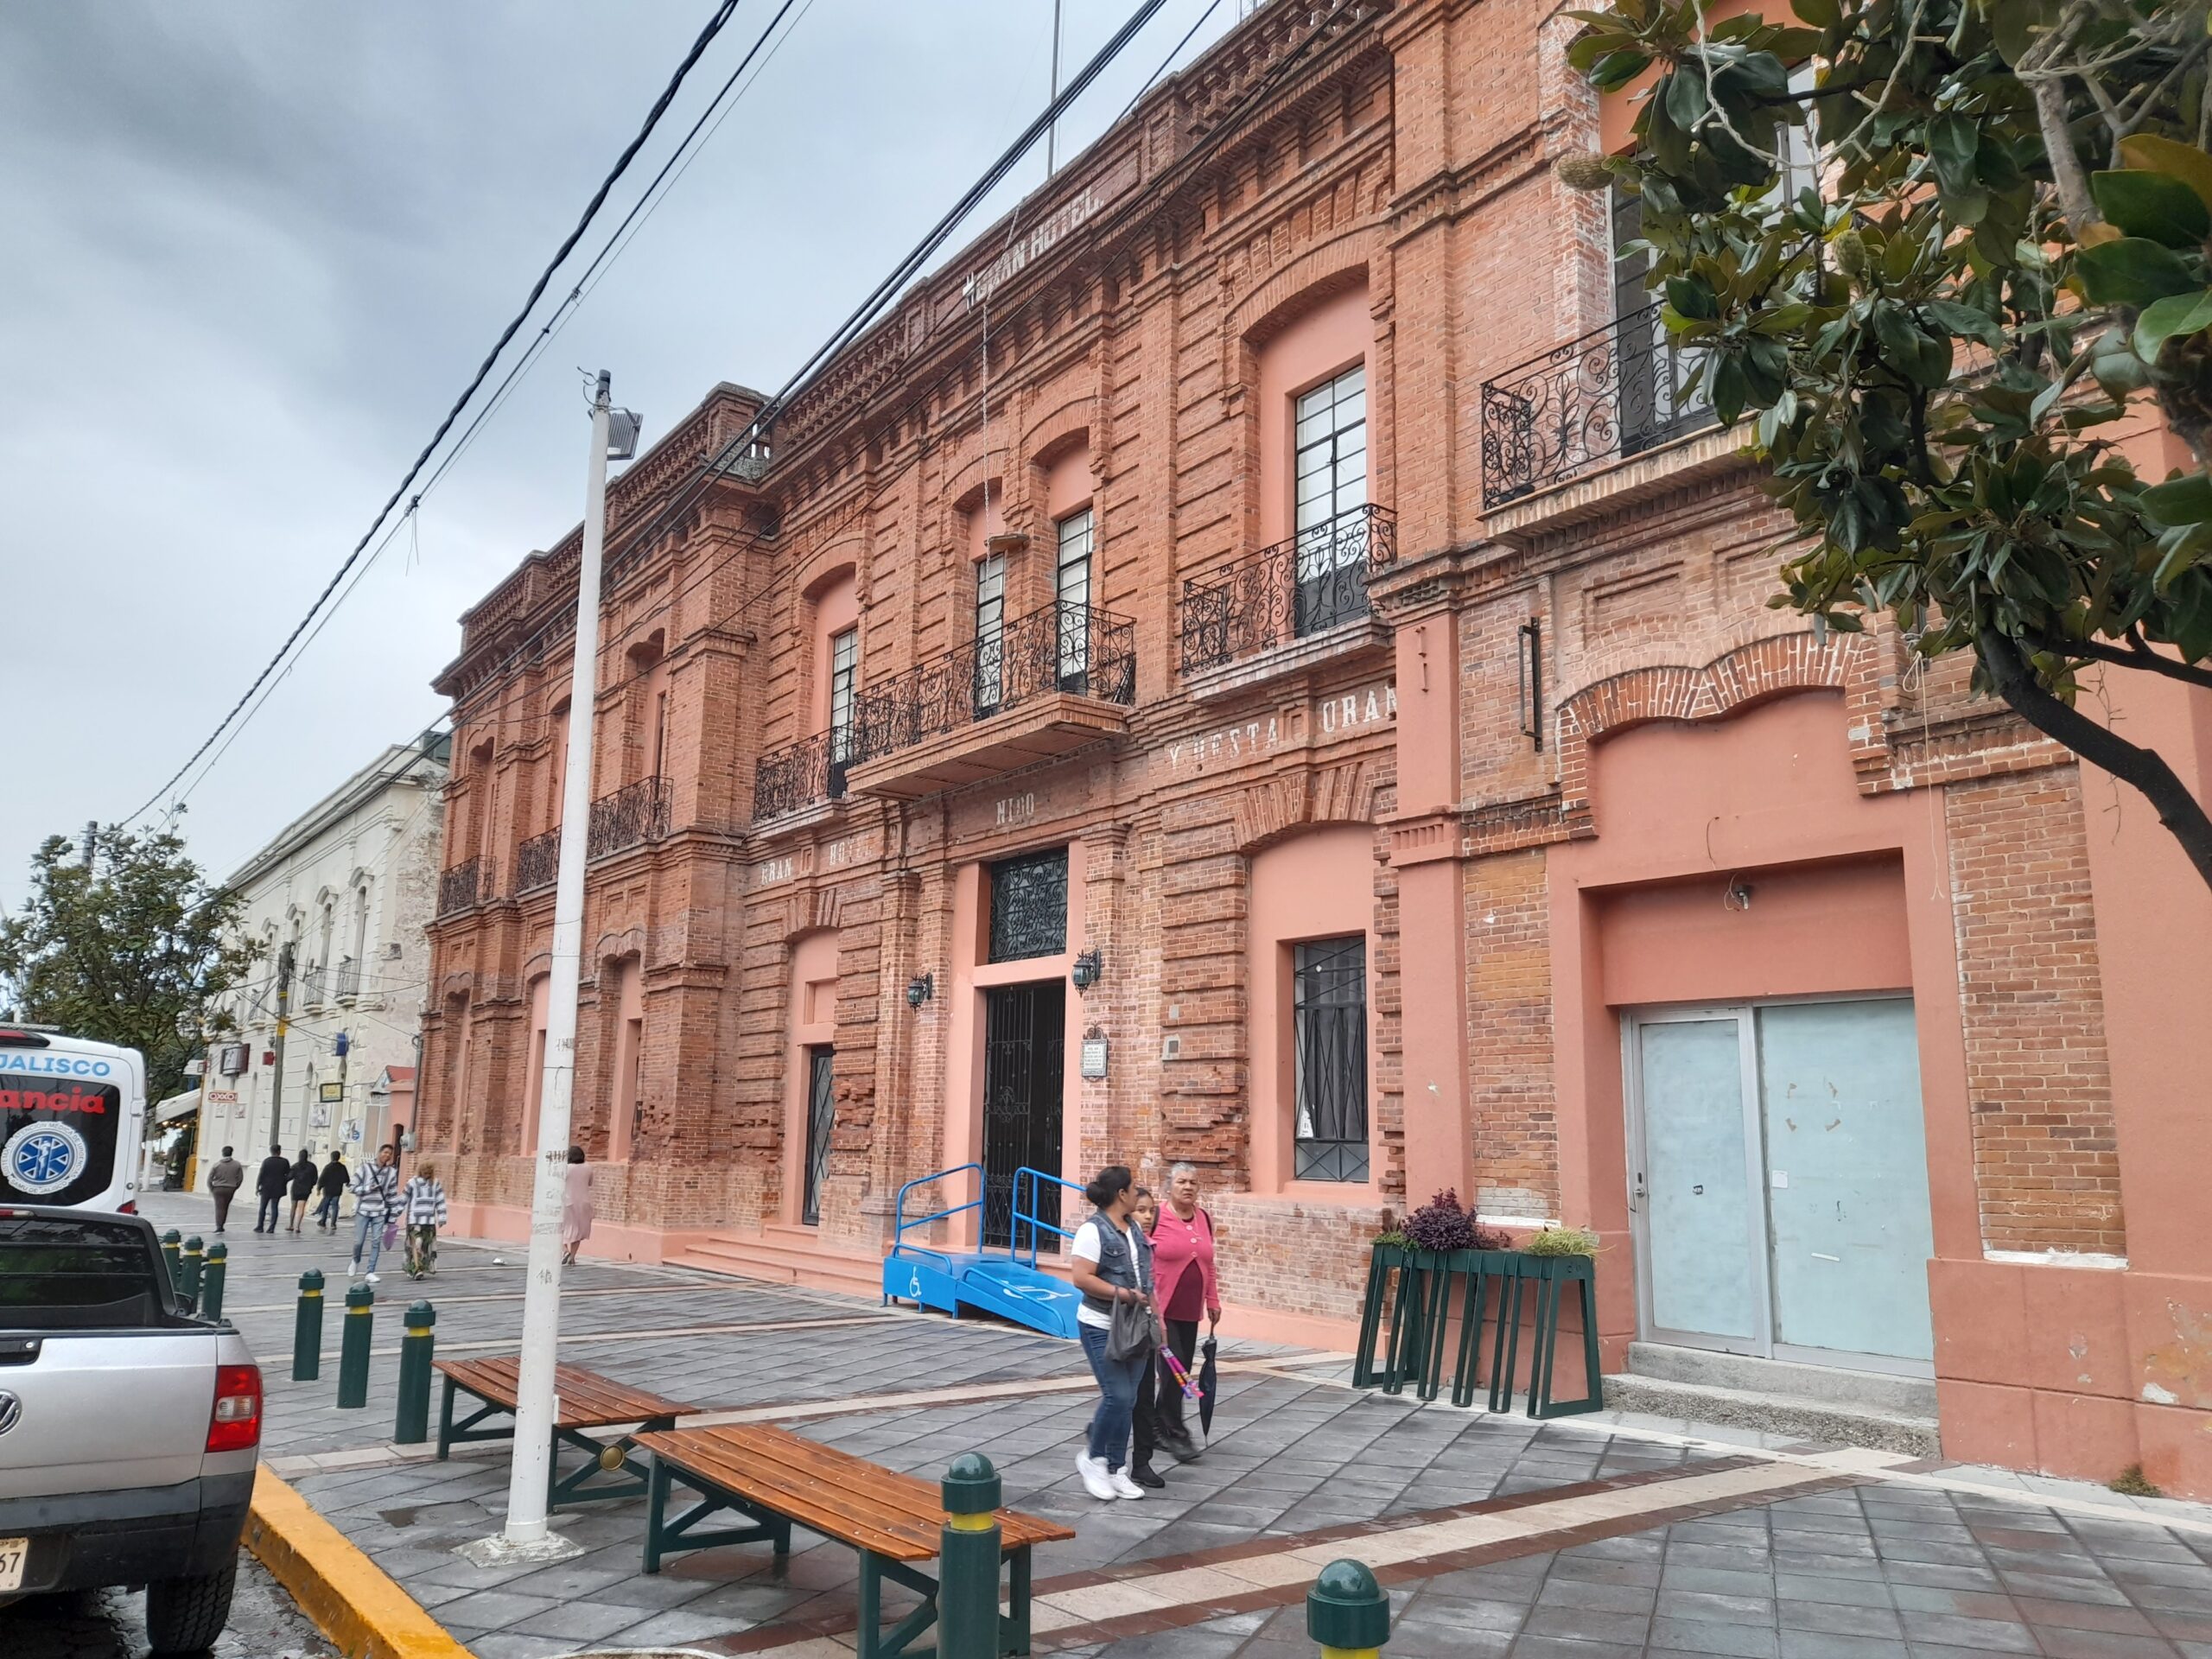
[
  {"x": 1702, "y": 1240},
  {"x": 1847, "y": 1178}
]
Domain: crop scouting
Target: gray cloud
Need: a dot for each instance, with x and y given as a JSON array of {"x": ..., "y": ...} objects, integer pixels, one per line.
[{"x": 249, "y": 251}]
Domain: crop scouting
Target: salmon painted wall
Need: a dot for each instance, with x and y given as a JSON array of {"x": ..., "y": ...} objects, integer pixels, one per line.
[
  {"x": 836, "y": 607},
  {"x": 1316, "y": 885},
  {"x": 1314, "y": 347},
  {"x": 813, "y": 1019},
  {"x": 1847, "y": 894}
]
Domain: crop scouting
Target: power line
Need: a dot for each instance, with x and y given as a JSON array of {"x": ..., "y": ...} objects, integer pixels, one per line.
[
  {"x": 1322, "y": 34},
  {"x": 602, "y": 263},
  {"x": 714, "y": 27}
]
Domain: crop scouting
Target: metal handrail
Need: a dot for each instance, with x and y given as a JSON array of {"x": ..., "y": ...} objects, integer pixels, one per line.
[
  {"x": 1014, "y": 1234},
  {"x": 1305, "y": 584},
  {"x": 899, "y": 1211}
]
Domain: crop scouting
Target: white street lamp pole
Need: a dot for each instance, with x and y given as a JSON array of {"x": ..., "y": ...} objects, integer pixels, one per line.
[{"x": 535, "y": 1406}]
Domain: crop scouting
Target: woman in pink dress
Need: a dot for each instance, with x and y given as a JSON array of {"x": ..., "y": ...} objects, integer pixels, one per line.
[{"x": 576, "y": 1208}]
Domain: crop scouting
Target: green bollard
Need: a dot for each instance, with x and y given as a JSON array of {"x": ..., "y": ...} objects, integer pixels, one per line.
[
  {"x": 171, "y": 1241},
  {"x": 413, "y": 1425},
  {"x": 306, "y": 1328},
  {"x": 967, "y": 1562},
  {"x": 353, "y": 1348},
  {"x": 1347, "y": 1612},
  {"x": 211, "y": 1280},
  {"x": 188, "y": 1261}
]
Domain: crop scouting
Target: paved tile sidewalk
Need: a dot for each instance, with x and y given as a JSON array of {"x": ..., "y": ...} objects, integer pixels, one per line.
[{"x": 1586, "y": 1549}]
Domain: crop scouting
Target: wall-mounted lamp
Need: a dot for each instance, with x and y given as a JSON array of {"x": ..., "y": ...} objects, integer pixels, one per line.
[
  {"x": 1088, "y": 967},
  {"x": 919, "y": 989},
  {"x": 1738, "y": 895}
]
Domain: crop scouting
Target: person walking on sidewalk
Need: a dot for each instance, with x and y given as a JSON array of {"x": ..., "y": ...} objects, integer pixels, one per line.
[
  {"x": 332, "y": 1184},
  {"x": 423, "y": 1212},
  {"x": 1182, "y": 1243},
  {"x": 376, "y": 1207},
  {"x": 303, "y": 1178},
  {"x": 269, "y": 1186},
  {"x": 1144, "y": 1424},
  {"x": 576, "y": 1208},
  {"x": 223, "y": 1183},
  {"x": 1111, "y": 1265}
]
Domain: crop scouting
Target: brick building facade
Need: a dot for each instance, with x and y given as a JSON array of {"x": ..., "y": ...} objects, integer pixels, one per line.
[{"x": 1253, "y": 663}]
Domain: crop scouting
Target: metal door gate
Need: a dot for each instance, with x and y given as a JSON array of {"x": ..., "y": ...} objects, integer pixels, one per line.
[{"x": 1024, "y": 1050}]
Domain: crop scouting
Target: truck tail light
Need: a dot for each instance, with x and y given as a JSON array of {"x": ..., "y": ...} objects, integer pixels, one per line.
[
  {"x": 235, "y": 1423},
  {"x": 128, "y": 1207}
]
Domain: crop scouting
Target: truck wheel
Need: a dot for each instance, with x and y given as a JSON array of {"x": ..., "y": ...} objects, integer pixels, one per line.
[{"x": 187, "y": 1615}]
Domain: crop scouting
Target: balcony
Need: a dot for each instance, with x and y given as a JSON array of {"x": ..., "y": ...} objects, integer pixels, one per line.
[
  {"x": 349, "y": 979},
  {"x": 630, "y": 817},
  {"x": 538, "y": 862},
  {"x": 457, "y": 886},
  {"x": 1310, "y": 588},
  {"x": 806, "y": 773},
  {"x": 315, "y": 986},
  {"x": 1045, "y": 685},
  {"x": 1611, "y": 395}
]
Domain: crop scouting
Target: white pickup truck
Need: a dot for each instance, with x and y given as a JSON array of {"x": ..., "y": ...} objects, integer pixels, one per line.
[{"x": 129, "y": 1430}]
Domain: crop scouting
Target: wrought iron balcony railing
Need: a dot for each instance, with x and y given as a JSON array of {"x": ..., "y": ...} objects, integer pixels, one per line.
[
  {"x": 457, "y": 886},
  {"x": 802, "y": 773},
  {"x": 1615, "y": 393},
  {"x": 538, "y": 862},
  {"x": 349, "y": 979},
  {"x": 1076, "y": 649},
  {"x": 631, "y": 816},
  {"x": 315, "y": 986},
  {"x": 1305, "y": 585}
]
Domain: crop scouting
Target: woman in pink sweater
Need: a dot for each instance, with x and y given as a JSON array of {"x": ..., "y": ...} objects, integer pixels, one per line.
[{"x": 1182, "y": 1254}]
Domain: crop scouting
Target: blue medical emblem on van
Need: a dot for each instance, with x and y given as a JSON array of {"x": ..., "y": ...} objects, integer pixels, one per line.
[{"x": 42, "y": 1158}]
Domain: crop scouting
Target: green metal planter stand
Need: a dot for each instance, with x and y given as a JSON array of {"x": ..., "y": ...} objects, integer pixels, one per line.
[{"x": 1410, "y": 1319}]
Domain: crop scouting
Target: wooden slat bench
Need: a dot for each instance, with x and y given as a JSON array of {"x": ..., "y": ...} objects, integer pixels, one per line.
[
  {"x": 585, "y": 1399},
  {"x": 776, "y": 1477}
]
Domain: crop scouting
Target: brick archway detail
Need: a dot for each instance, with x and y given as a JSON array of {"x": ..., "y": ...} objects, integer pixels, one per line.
[
  {"x": 1727, "y": 685},
  {"x": 1298, "y": 800}
]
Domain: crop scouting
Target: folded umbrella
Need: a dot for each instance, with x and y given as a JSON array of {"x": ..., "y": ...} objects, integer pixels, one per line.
[{"x": 1209, "y": 1383}]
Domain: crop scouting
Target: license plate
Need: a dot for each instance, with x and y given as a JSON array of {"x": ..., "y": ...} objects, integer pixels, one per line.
[{"x": 13, "y": 1553}]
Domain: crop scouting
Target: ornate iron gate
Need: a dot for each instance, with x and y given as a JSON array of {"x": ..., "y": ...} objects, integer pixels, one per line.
[
  {"x": 821, "y": 1129},
  {"x": 1024, "y": 1049}
]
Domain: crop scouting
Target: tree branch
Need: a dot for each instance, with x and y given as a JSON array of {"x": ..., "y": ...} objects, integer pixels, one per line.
[
  {"x": 2179, "y": 810},
  {"x": 2065, "y": 166},
  {"x": 2136, "y": 655}
]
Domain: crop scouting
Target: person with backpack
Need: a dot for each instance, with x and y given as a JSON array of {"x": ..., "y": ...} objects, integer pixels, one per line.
[
  {"x": 423, "y": 1212},
  {"x": 332, "y": 1184},
  {"x": 276, "y": 1174},
  {"x": 1182, "y": 1245},
  {"x": 303, "y": 1178},
  {"x": 376, "y": 1207}
]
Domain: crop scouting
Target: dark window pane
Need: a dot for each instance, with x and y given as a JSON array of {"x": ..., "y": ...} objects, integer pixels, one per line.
[
  {"x": 1029, "y": 906},
  {"x": 1328, "y": 1020}
]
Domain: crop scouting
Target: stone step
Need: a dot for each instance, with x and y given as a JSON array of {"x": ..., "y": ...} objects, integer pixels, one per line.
[
  {"x": 784, "y": 1261},
  {"x": 1908, "y": 1396},
  {"x": 1797, "y": 1416}
]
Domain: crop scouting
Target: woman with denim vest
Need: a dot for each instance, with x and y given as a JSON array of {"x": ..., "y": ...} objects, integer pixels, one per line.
[{"x": 1111, "y": 1263}]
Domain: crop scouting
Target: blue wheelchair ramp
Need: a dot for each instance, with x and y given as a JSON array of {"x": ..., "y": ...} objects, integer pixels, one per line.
[{"x": 1008, "y": 1283}]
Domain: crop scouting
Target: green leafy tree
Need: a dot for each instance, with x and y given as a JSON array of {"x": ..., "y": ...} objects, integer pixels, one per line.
[
  {"x": 130, "y": 948},
  {"x": 2004, "y": 252}
]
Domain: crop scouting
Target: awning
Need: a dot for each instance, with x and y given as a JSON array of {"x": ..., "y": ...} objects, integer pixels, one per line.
[{"x": 177, "y": 1106}]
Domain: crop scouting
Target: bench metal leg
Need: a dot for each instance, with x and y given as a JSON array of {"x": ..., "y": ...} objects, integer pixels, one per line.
[
  {"x": 665, "y": 1537},
  {"x": 445, "y": 1423},
  {"x": 1014, "y": 1628},
  {"x": 874, "y": 1642}
]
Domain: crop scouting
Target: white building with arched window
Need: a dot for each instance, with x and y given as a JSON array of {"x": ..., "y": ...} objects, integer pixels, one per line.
[{"x": 338, "y": 900}]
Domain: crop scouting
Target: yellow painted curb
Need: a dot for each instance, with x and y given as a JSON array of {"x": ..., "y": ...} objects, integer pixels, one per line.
[{"x": 352, "y": 1599}]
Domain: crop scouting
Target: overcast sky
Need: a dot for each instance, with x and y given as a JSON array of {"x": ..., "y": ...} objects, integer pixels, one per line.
[{"x": 251, "y": 251}]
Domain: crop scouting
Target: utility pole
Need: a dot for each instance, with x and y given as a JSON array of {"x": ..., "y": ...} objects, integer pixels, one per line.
[
  {"x": 1052, "y": 128},
  {"x": 92, "y": 840},
  {"x": 613, "y": 436},
  {"x": 284, "y": 1028}
]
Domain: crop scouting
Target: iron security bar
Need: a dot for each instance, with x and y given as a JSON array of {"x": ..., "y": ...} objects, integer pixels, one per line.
[
  {"x": 1615, "y": 393},
  {"x": 799, "y": 774},
  {"x": 1302, "y": 585}
]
